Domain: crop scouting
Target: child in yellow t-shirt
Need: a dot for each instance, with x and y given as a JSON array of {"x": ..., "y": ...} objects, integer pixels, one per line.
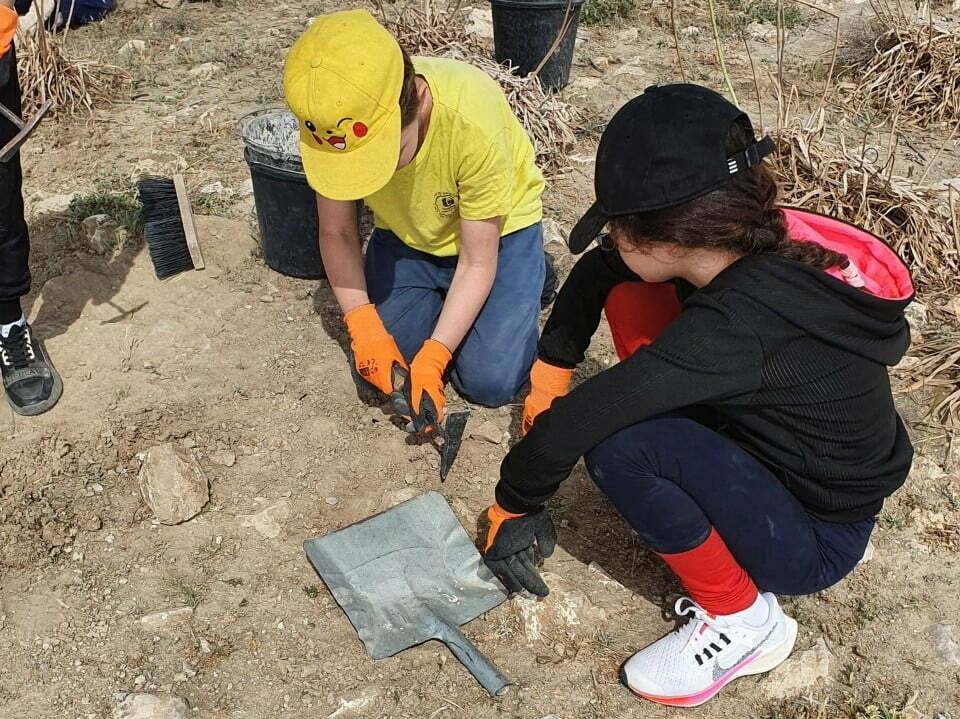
[{"x": 454, "y": 272}]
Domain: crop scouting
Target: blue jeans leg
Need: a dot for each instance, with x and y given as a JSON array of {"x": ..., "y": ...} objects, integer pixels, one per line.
[
  {"x": 494, "y": 360},
  {"x": 673, "y": 479},
  {"x": 407, "y": 287}
]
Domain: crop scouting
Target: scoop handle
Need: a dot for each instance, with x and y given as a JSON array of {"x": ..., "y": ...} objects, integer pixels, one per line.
[{"x": 476, "y": 663}]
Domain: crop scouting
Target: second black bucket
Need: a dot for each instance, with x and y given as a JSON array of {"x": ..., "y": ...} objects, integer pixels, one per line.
[
  {"x": 287, "y": 217},
  {"x": 524, "y": 31}
]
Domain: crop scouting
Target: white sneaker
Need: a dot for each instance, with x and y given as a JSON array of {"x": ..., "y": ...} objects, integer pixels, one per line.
[{"x": 689, "y": 666}]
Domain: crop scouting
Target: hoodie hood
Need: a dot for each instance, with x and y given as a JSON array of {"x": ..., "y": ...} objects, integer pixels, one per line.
[{"x": 859, "y": 308}]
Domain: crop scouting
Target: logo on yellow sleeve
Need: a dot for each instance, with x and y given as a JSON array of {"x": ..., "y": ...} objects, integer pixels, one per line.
[{"x": 445, "y": 204}]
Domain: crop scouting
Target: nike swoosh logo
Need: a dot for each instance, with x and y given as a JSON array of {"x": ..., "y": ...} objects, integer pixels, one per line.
[{"x": 719, "y": 670}]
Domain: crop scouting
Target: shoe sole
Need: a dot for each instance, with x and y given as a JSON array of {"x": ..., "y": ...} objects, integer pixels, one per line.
[
  {"x": 40, "y": 407},
  {"x": 749, "y": 666}
]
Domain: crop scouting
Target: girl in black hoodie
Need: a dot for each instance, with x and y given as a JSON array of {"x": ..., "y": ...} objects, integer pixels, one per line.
[{"x": 748, "y": 434}]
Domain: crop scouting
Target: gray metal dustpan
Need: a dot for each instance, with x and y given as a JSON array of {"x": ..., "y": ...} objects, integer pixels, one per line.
[{"x": 409, "y": 575}]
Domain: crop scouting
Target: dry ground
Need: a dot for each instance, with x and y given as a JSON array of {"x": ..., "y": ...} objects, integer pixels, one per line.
[{"x": 246, "y": 368}]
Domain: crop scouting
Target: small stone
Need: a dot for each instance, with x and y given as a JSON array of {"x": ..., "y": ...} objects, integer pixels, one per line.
[
  {"x": 206, "y": 71},
  {"x": 762, "y": 31},
  {"x": 480, "y": 22},
  {"x": 52, "y": 204},
  {"x": 266, "y": 298},
  {"x": 101, "y": 232},
  {"x": 800, "y": 672},
  {"x": 946, "y": 641},
  {"x": 268, "y": 520},
  {"x": 600, "y": 62},
  {"x": 353, "y": 704},
  {"x": 224, "y": 457},
  {"x": 215, "y": 189},
  {"x": 691, "y": 31},
  {"x": 131, "y": 48},
  {"x": 916, "y": 314},
  {"x": 185, "y": 44},
  {"x": 487, "y": 432},
  {"x": 166, "y": 620},
  {"x": 172, "y": 484},
  {"x": 332, "y": 501},
  {"x": 91, "y": 523},
  {"x": 150, "y": 706},
  {"x": 168, "y": 4},
  {"x": 139, "y": 681}
]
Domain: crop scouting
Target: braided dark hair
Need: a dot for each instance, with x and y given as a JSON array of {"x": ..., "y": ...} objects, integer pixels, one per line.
[{"x": 741, "y": 217}]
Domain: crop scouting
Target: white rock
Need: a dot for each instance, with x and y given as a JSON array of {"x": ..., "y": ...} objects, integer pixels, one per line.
[
  {"x": 332, "y": 501},
  {"x": 394, "y": 497},
  {"x": 916, "y": 314},
  {"x": 800, "y": 672},
  {"x": 151, "y": 706},
  {"x": 101, "y": 232},
  {"x": 172, "y": 484},
  {"x": 487, "y": 432},
  {"x": 352, "y": 706},
  {"x": 166, "y": 620},
  {"x": 945, "y": 641},
  {"x": 762, "y": 31},
  {"x": 246, "y": 189},
  {"x": 480, "y": 23},
  {"x": 553, "y": 234},
  {"x": 132, "y": 47},
  {"x": 206, "y": 71},
  {"x": 223, "y": 457},
  {"x": 691, "y": 31},
  {"x": 565, "y": 606},
  {"x": 268, "y": 520},
  {"x": 46, "y": 204},
  {"x": 168, "y": 4},
  {"x": 214, "y": 188}
]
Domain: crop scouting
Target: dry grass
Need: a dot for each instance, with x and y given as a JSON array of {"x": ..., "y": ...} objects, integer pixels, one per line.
[
  {"x": 857, "y": 184},
  {"x": 47, "y": 71},
  {"x": 426, "y": 29},
  {"x": 913, "y": 72}
]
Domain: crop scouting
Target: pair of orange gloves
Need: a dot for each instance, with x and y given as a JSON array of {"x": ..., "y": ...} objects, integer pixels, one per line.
[{"x": 376, "y": 354}]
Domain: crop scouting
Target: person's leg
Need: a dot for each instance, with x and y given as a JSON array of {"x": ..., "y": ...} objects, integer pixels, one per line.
[
  {"x": 405, "y": 285},
  {"x": 14, "y": 238},
  {"x": 680, "y": 484},
  {"x": 30, "y": 381},
  {"x": 494, "y": 360},
  {"x": 638, "y": 312}
]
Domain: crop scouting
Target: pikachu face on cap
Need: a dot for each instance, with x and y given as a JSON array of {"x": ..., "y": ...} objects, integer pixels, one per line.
[{"x": 342, "y": 79}]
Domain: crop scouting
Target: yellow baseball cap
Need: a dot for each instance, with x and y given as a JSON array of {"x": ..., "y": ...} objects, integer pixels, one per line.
[{"x": 342, "y": 79}]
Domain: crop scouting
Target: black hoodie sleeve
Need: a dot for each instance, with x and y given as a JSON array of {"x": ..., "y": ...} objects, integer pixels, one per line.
[
  {"x": 579, "y": 305},
  {"x": 708, "y": 354}
]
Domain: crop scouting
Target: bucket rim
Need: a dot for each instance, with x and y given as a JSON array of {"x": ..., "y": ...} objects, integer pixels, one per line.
[
  {"x": 538, "y": 4},
  {"x": 269, "y": 151}
]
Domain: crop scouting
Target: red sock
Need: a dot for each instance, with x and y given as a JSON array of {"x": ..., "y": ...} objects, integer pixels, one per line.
[{"x": 714, "y": 579}]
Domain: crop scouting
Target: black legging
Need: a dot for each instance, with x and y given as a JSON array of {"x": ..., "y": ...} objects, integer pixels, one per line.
[
  {"x": 14, "y": 239},
  {"x": 673, "y": 479}
]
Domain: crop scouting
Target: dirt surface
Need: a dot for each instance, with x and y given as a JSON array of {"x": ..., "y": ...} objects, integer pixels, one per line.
[{"x": 245, "y": 370}]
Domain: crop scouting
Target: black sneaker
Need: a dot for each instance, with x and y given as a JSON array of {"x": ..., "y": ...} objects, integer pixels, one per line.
[
  {"x": 550, "y": 281},
  {"x": 30, "y": 382}
]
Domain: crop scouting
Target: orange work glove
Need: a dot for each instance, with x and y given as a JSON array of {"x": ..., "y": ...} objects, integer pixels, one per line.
[
  {"x": 546, "y": 384},
  {"x": 375, "y": 352},
  {"x": 426, "y": 386},
  {"x": 8, "y": 26}
]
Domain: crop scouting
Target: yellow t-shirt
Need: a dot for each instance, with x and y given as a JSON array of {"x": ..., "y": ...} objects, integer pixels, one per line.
[{"x": 476, "y": 162}]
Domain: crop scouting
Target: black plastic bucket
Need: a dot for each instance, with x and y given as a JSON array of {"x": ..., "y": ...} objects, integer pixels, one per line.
[
  {"x": 286, "y": 205},
  {"x": 287, "y": 217},
  {"x": 524, "y": 31}
]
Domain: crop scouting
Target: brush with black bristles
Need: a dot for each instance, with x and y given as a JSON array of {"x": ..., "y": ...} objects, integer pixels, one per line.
[{"x": 168, "y": 226}]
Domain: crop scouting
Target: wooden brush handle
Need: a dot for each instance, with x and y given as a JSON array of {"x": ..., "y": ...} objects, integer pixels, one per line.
[{"x": 189, "y": 226}]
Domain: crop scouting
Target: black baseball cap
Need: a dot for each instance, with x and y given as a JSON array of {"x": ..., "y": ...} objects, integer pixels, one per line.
[{"x": 663, "y": 148}]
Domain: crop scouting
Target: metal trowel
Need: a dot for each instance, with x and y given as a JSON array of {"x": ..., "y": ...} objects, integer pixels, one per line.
[
  {"x": 409, "y": 575},
  {"x": 24, "y": 129},
  {"x": 446, "y": 437}
]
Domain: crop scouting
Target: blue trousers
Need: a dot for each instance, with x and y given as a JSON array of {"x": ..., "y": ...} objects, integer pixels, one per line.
[
  {"x": 409, "y": 288},
  {"x": 672, "y": 479}
]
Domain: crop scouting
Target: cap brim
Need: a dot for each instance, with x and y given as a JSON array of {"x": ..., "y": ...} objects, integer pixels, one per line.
[
  {"x": 355, "y": 174},
  {"x": 587, "y": 229}
]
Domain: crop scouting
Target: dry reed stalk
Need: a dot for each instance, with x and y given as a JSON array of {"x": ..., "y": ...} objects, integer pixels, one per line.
[
  {"x": 423, "y": 29},
  {"x": 914, "y": 71},
  {"x": 47, "y": 71},
  {"x": 858, "y": 185}
]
